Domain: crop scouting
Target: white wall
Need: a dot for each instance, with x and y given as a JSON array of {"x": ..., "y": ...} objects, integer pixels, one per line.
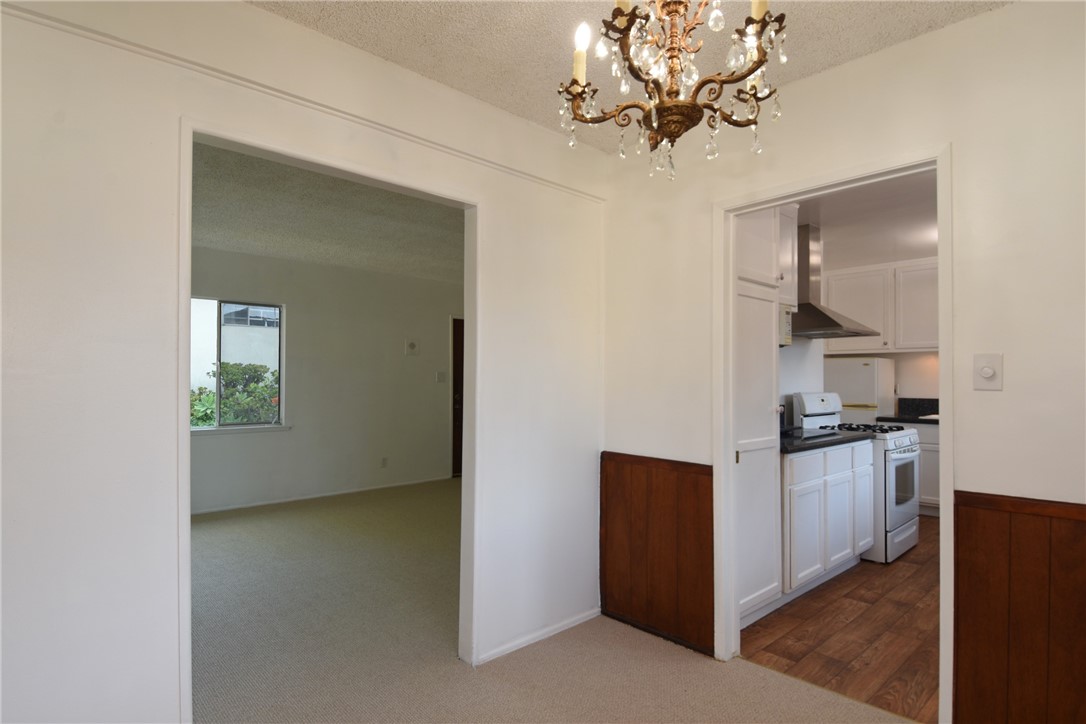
[
  {"x": 93, "y": 505},
  {"x": 1018, "y": 252},
  {"x": 351, "y": 396}
]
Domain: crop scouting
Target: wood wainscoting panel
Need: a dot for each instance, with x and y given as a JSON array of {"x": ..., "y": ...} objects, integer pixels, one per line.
[
  {"x": 1019, "y": 609},
  {"x": 656, "y": 546}
]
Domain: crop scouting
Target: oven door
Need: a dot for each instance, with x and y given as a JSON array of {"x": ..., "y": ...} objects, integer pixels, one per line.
[{"x": 902, "y": 486}]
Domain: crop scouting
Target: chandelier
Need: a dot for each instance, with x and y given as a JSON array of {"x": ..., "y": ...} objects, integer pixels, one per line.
[{"x": 653, "y": 46}]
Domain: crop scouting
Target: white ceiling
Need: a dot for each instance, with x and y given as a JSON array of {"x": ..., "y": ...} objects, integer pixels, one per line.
[
  {"x": 252, "y": 205},
  {"x": 513, "y": 54}
]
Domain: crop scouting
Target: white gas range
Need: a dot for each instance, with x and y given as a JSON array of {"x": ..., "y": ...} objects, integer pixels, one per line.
[{"x": 896, "y": 473}]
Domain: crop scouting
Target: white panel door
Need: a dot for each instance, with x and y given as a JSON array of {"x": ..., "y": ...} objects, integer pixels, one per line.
[
  {"x": 755, "y": 236},
  {"x": 863, "y": 295},
  {"x": 838, "y": 533},
  {"x": 756, "y": 426},
  {"x": 863, "y": 509},
  {"x": 916, "y": 305},
  {"x": 805, "y": 531}
]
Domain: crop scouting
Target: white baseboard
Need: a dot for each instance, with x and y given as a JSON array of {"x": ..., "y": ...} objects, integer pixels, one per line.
[
  {"x": 347, "y": 491},
  {"x": 538, "y": 635}
]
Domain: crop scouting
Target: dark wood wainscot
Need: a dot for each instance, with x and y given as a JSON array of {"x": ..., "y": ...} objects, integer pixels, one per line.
[
  {"x": 1019, "y": 610},
  {"x": 656, "y": 546}
]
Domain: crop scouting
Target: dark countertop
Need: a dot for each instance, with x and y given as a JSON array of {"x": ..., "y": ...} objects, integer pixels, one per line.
[
  {"x": 906, "y": 420},
  {"x": 791, "y": 444}
]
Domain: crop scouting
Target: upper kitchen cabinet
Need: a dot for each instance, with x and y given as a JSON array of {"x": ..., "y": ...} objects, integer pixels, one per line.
[
  {"x": 787, "y": 263},
  {"x": 765, "y": 249},
  {"x": 899, "y": 300},
  {"x": 865, "y": 295},
  {"x": 916, "y": 303}
]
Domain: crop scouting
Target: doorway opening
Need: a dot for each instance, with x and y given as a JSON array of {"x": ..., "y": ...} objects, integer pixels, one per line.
[
  {"x": 886, "y": 620},
  {"x": 331, "y": 528}
]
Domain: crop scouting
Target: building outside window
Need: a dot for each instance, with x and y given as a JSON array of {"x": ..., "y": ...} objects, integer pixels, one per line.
[{"x": 236, "y": 354}]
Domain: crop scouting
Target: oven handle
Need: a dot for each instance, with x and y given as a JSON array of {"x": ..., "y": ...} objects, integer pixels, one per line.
[{"x": 904, "y": 453}]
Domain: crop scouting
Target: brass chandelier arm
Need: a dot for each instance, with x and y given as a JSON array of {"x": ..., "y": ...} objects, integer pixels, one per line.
[
  {"x": 720, "y": 81},
  {"x": 692, "y": 25},
  {"x": 717, "y": 114},
  {"x": 620, "y": 113}
]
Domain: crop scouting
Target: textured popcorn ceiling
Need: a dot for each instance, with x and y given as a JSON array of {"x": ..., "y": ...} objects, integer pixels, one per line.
[
  {"x": 251, "y": 205},
  {"x": 514, "y": 54}
]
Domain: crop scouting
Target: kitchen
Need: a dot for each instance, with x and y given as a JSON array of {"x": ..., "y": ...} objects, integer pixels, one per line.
[{"x": 859, "y": 441}]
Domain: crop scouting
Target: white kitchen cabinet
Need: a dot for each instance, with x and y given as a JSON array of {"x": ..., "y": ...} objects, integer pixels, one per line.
[
  {"x": 787, "y": 259},
  {"x": 828, "y": 513},
  {"x": 898, "y": 300},
  {"x": 806, "y": 532},
  {"x": 839, "y": 525},
  {"x": 929, "y": 464},
  {"x": 865, "y": 295},
  {"x": 916, "y": 305},
  {"x": 755, "y": 242},
  {"x": 863, "y": 508}
]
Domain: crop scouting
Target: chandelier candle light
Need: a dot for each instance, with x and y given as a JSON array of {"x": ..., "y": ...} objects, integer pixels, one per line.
[{"x": 653, "y": 45}]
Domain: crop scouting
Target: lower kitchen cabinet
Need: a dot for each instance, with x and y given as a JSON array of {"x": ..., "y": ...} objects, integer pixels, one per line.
[
  {"x": 828, "y": 512},
  {"x": 929, "y": 464},
  {"x": 656, "y": 547}
]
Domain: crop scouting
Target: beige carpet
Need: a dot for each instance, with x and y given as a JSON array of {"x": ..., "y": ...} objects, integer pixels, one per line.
[{"x": 344, "y": 609}]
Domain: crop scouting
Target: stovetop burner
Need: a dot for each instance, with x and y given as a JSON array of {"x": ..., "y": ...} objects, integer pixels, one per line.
[{"x": 854, "y": 427}]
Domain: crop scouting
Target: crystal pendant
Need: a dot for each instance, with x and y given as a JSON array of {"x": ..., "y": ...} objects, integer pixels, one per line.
[
  {"x": 573, "y": 138},
  {"x": 642, "y": 140},
  {"x": 624, "y": 86},
  {"x": 756, "y": 147},
  {"x": 662, "y": 153},
  {"x": 563, "y": 109},
  {"x": 602, "y": 48},
  {"x": 711, "y": 151},
  {"x": 767, "y": 38},
  {"x": 716, "y": 20},
  {"x": 781, "y": 55},
  {"x": 737, "y": 57},
  {"x": 659, "y": 68},
  {"x": 776, "y": 114},
  {"x": 670, "y": 167},
  {"x": 622, "y": 143},
  {"x": 589, "y": 108},
  {"x": 752, "y": 108},
  {"x": 690, "y": 71}
]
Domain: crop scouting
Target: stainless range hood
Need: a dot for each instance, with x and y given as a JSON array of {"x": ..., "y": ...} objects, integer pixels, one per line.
[{"x": 812, "y": 320}]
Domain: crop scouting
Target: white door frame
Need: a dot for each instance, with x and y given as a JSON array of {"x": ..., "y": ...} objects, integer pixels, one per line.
[
  {"x": 235, "y": 139},
  {"x": 725, "y": 547}
]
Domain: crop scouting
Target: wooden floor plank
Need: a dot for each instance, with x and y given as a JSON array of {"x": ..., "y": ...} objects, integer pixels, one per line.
[
  {"x": 909, "y": 687},
  {"x": 871, "y": 633}
]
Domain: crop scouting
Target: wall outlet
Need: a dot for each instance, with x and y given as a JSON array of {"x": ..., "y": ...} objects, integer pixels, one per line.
[
  {"x": 384, "y": 462},
  {"x": 439, "y": 376}
]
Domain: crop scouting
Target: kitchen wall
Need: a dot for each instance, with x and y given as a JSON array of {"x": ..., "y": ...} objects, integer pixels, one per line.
[
  {"x": 352, "y": 395},
  {"x": 94, "y": 285},
  {"x": 801, "y": 369}
]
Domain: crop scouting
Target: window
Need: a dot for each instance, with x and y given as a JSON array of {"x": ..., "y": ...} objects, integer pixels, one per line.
[{"x": 235, "y": 364}]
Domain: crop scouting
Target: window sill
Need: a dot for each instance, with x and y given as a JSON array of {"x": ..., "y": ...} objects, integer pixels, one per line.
[{"x": 233, "y": 429}]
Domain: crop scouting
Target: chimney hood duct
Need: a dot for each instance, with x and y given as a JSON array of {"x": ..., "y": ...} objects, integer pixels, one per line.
[{"x": 812, "y": 320}]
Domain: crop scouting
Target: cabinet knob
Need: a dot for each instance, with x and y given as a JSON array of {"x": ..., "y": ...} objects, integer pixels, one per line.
[
  {"x": 885, "y": 344},
  {"x": 782, "y": 276}
]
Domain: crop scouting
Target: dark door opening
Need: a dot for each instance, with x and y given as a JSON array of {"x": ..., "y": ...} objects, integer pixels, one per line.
[{"x": 458, "y": 396}]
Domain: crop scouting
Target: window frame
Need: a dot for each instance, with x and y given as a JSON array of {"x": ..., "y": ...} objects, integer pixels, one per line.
[{"x": 218, "y": 428}]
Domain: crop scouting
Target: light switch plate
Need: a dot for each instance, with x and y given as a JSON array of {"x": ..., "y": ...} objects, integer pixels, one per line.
[
  {"x": 988, "y": 371},
  {"x": 411, "y": 347}
]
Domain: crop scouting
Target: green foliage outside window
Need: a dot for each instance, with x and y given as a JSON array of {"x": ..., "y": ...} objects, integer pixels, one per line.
[{"x": 250, "y": 396}]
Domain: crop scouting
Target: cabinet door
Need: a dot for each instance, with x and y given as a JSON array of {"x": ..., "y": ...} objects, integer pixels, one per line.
[
  {"x": 805, "y": 530},
  {"x": 929, "y": 474},
  {"x": 863, "y": 295},
  {"x": 758, "y": 529},
  {"x": 863, "y": 509},
  {"x": 757, "y": 441},
  {"x": 755, "y": 241},
  {"x": 838, "y": 533},
  {"x": 916, "y": 306},
  {"x": 786, "y": 255}
]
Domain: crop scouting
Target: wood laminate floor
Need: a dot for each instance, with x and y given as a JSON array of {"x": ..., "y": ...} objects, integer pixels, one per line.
[{"x": 871, "y": 633}]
